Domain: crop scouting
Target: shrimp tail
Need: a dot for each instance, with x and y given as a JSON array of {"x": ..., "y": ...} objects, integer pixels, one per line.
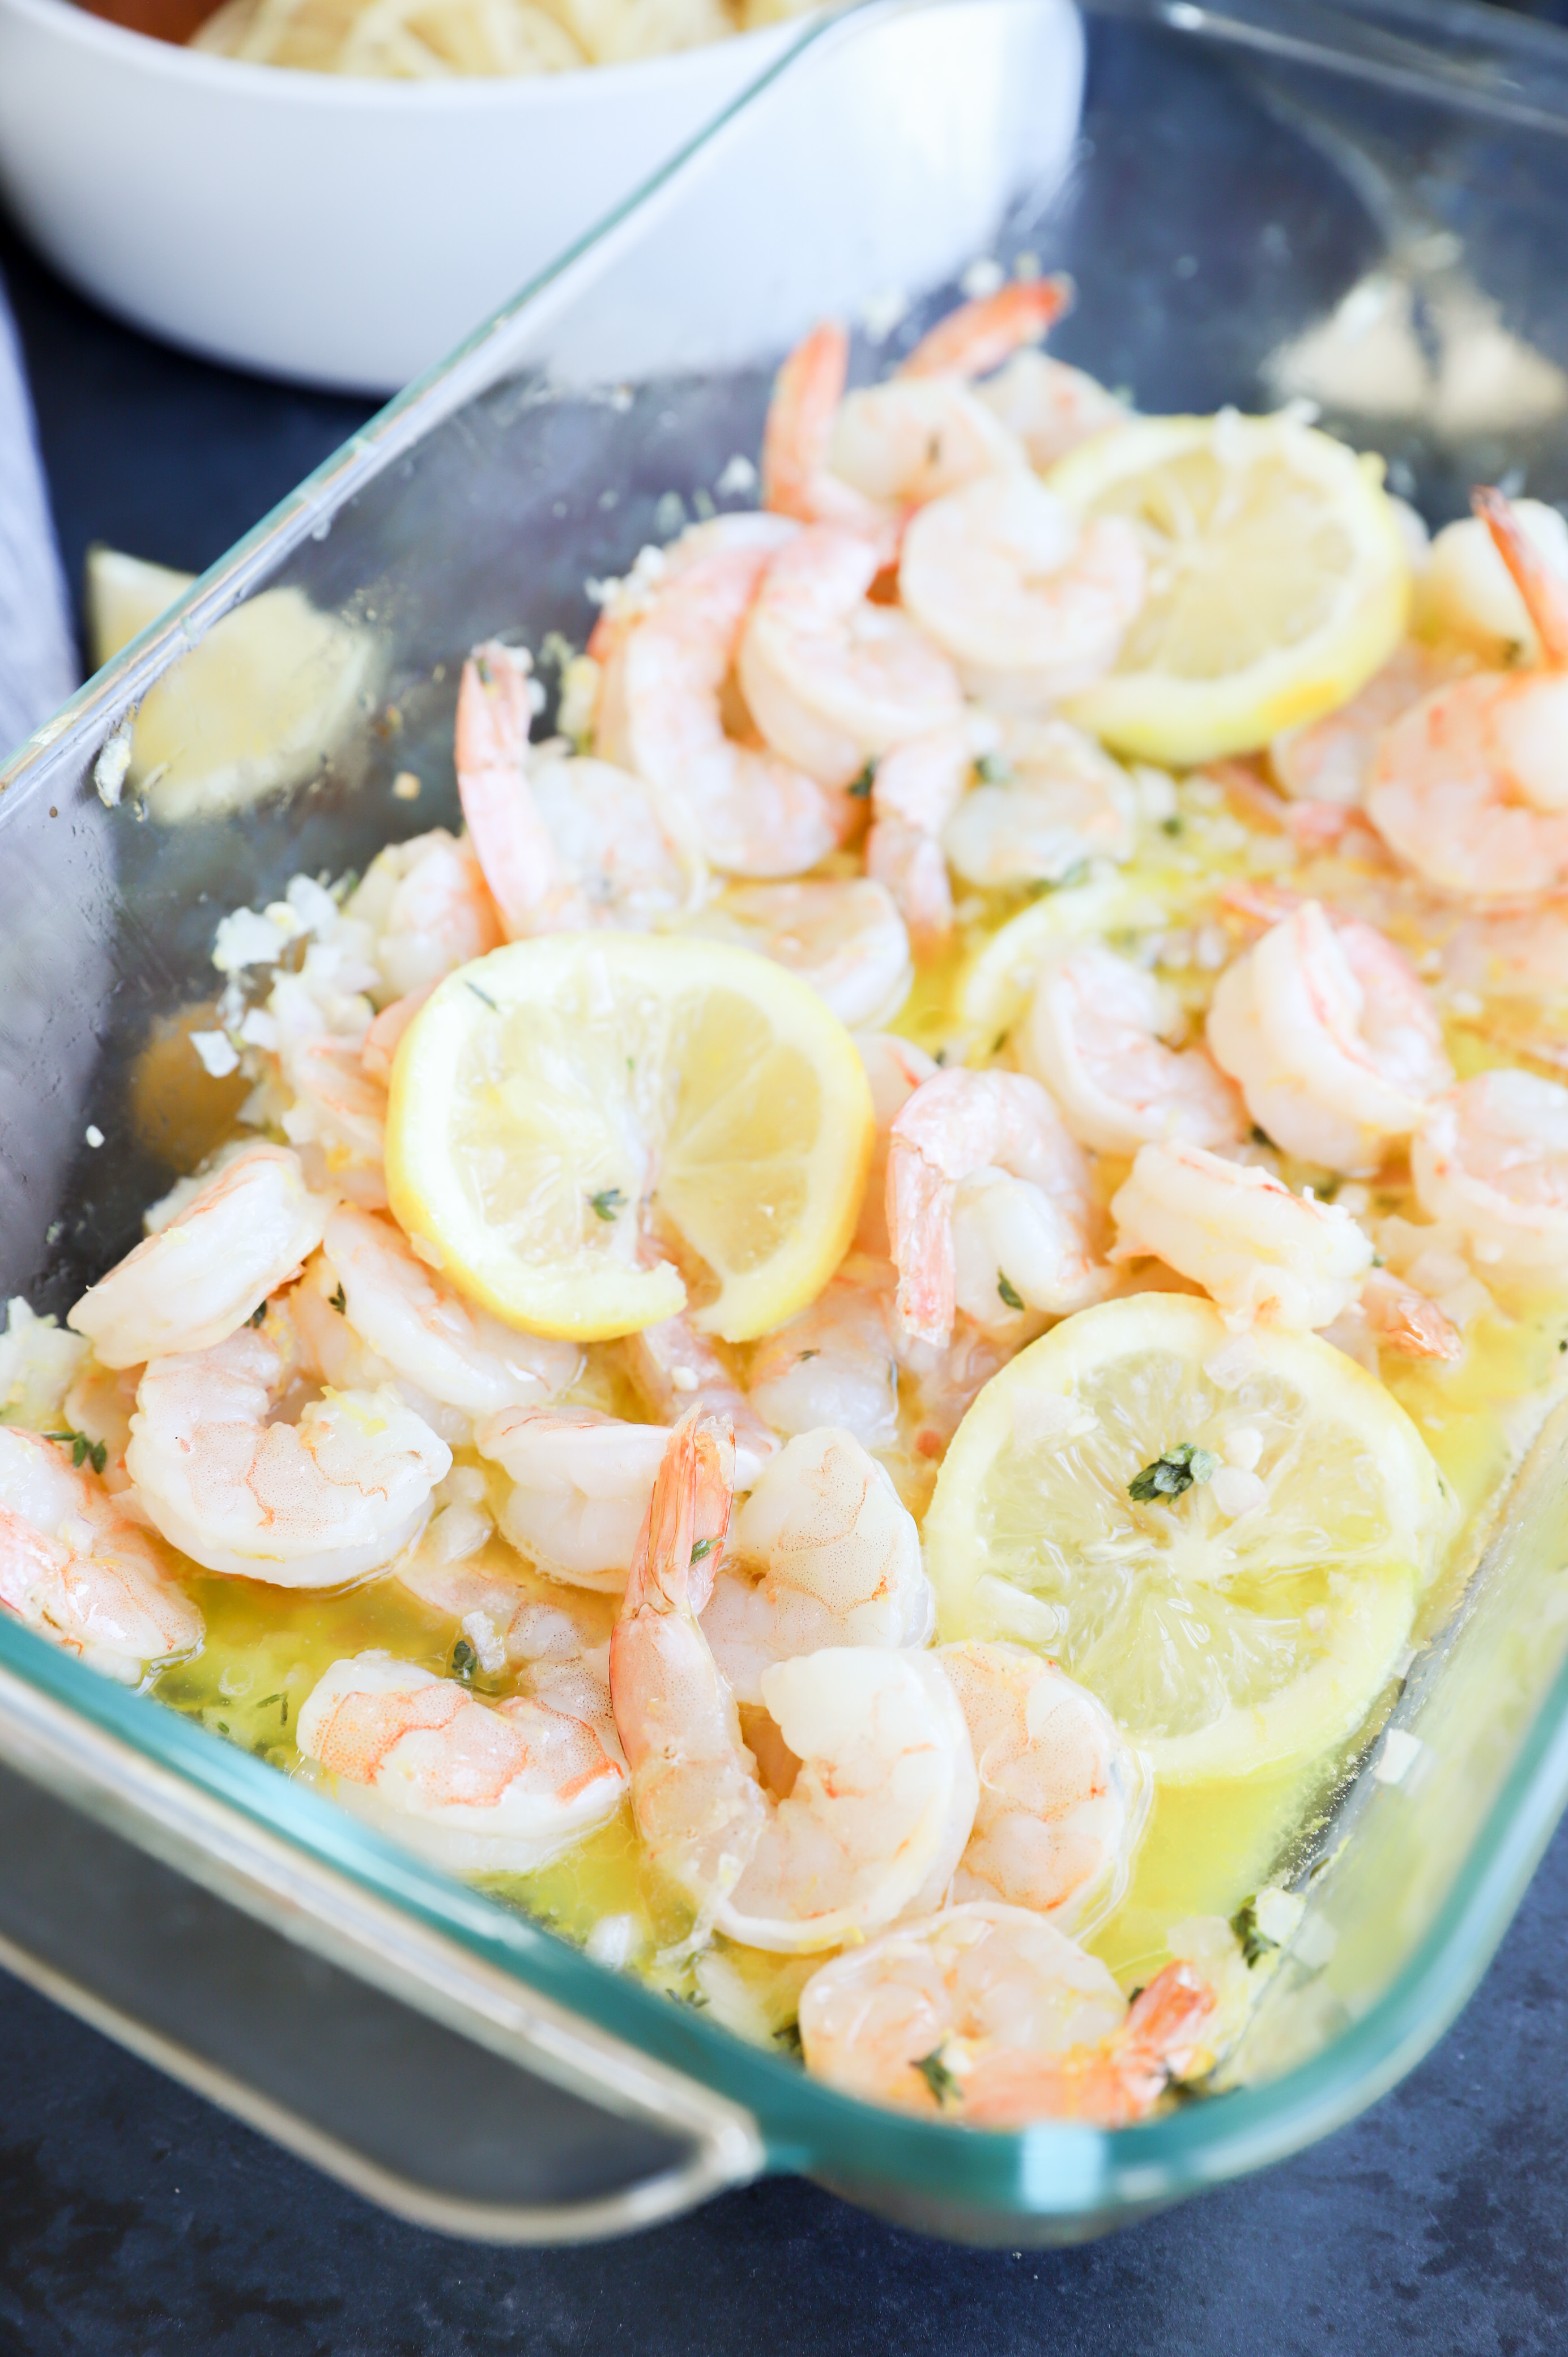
[
  {"x": 516, "y": 857},
  {"x": 1545, "y": 598},
  {"x": 978, "y": 336},
  {"x": 1106, "y": 2087},
  {"x": 798, "y": 434},
  {"x": 919, "y": 1199},
  {"x": 1406, "y": 1320},
  {"x": 681, "y": 1540}
]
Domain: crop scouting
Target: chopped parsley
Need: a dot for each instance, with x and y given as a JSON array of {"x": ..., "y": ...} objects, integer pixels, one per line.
[
  {"x": 465, "y": 1660},
  {"x": 1254, "y": 1942},
  {"x": 1261, "y": 1137},
  {"x": 862, "y": 785},
  {"x": 84, "y": 1451},
  {"x": 339, "y": 1300},
  {"x": 944, "y": 2085},
  {"x": 801, "y": 1356},
  {"x": 258, "y": 1315},
  {"x": 1008, "y": 1290},
  {"x": 483, "y": 994},
  {"x": 1172, "y": 825},
  {"x": 993, "y": 769},
  {"x": 1173, "y": 1473},
  {"x": 703, "y": 1547},
  {"x": 608, "y": 1202}
]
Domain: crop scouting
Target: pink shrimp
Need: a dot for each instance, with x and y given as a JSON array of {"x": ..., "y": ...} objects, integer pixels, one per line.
[
  {"x": 495, "y": 713},
  {"x": 1107, "y": 2086}
]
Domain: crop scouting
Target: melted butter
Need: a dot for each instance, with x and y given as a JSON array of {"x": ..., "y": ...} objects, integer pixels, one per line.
[{"x": 1207, "y": 1847}]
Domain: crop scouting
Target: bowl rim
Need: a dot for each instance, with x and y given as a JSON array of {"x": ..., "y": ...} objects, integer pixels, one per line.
[{"x": 65, "y": 22}]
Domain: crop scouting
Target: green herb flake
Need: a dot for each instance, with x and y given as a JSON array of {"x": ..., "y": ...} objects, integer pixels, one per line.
[
  {"x": 267, "y": 1701},
  {"x": 1008, "y": 1290},
  {"x": 465, "y": 1660},
  {"x": 993, "y": 769},
  {"x": 339, "y": 1300},
  {"x": 1260, "y": 1136},
  {"x": 84, "y": 1451},
  {"x": 258, "y": 1316},
  {"x": 801, "y": 1356},
  {"x": 221, "y": 1725},
  {"x": 484, "y": 995},
  {"x": 999, "y": 1043},
  {"x": 861, "y": 786},
  {"x": 788, "y": 2041},
  {"x": 1172, "y": 825},
  {"x": 1254, "y": 1942},
  {"x": 1173, "y": 1473},
  {"x": 608, "y": 1202},
  {"x": 703, "y": 1547},
  {"x": 944, "y": 2085}
]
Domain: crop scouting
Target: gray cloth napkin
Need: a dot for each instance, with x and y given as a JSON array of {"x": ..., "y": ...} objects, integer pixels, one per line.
[{"x": 37, "y": 659}]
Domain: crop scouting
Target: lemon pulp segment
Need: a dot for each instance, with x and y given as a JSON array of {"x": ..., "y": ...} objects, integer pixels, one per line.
[
  {"x": 1223, "y": 1643},
  {"x": 1277, "y": 580},
  {"x": 548, "y": 1093}
]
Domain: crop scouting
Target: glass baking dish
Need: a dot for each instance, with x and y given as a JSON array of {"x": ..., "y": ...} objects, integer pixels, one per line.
[{"x": 1267, "y": 202}]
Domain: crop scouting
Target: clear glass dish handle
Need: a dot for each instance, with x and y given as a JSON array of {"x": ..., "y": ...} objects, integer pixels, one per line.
[{"x": 367, "y": 2042}]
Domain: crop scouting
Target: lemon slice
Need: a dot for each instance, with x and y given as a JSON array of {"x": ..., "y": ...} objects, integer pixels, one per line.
[
  {"x": 1278, "y": 582},
  {"x": 554, "y": 1099},
  {"x": 1243, "y": 1621}
]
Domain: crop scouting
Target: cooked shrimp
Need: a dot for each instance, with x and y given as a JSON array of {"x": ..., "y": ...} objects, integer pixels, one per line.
[
  {"x": 977, "y": 336},
  {"x": 308, "y": 1504},
  {"x": 834, "y": 1362},
  {"x": 992, "y": 2016},
  {"x": 661, "y": 714},
  {"x": 416, "y": 1329},
  {"x": 862, "y": 462},
  {"x": 580, "y": 1485},
  {"x": 1030, "y": 601},
  {"x": 831, "y": 680},
  {"x": 1063, "y": 1796},
  {"x": 1050, "y": 406},
  {"x": 822, "y": 1554},
  {"x": 677, "y": 1369},
  {"x": 76, "y": 1570},
  {"x": 915, "y": 791},
  {"x": 337, "y": 1117},
  {"x": 841, "y": 934},
  {"x": 1466, "y": 593},
  {"x": 1095, "y": 1035},
  {"x": 1491, "y": 1159},
  {"x": 1052, "y": 799},
  {"x": 483, "y": 1788},
  {"x": 241, "y": 1236},
  {"x": 1329, "y": 761},
  {"x": 884, "y": 1796},
  {"x": 895, "y": 1069},
  {"x": 1470, "y": 787},
  {"x": 378, "y": 1049},
  {"x": 1260, "y": 1253},
  {"x": 1332, "y": 1038},
  {"x": 988, "y": 1206},
  {"x": 428, "y": 908},
  {"x": 563, "y": 843},
  {"x": 1401, "y": 1317}
]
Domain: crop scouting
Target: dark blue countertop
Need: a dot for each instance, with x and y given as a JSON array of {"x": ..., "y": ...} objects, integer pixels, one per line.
[{"x": 135, "y": 2220}]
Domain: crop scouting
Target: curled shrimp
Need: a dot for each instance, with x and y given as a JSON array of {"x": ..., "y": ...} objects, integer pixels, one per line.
[
  {"x": 1063, "y": 1796},
  {"x": 988, "y": 1206},
  {"x": 564, "y": 843},
  {"x": 1331, "y": 1037},
  {"x": 1050, "y": 797},
  {"x": 1050, "y": 406},
  {"x": 834, "y": 1362},
  {"x": 1329, "y": 760},
  {"x": 831, "y": 680},
  {"x": 74, "y": 1568},
  {"x": 1470, "y": 787},
  {"x": 580, "y": 1482},
  {"x": 991, "y": 2016},
  {"x": 915, "y": 791},
  {"x": 884, "y": 1798},
  {"x": 1259, "y": 1251},
  {"x": 309, "y": 1504},
  {"x": 367, "y": 1288},
  {"x": 895, "y": 1069},
  {"x": 1095, "y": 1034},
  {"x": 429, "y": 909},
  {"x": 863, "y": 460},
  {"x": 337, "y": 1117},
  {"x": 1030, "y": 601},
  {"x": 841, "y": 934},
  {"x": 661, "y": 712},
  {"x": 823, "y": 1552},
  {"x": 237, "y": 1239},
  {"x": 1490, "y": 1159},
  {"x": 478, "y": 1787}
]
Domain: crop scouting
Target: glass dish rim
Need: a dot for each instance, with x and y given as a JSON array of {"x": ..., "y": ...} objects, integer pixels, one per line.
[{"x": 1055, "y": 2169}]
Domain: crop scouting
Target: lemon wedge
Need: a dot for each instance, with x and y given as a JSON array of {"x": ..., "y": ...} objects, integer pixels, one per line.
[
  {"x": 1278, "y": 582},
  {"x": 553, "y": 1102},
  {"x": 1222, "y": 1536},
  {"x": 123, "y": 595}
]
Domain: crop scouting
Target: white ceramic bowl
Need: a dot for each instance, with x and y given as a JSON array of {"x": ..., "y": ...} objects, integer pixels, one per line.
[{"x": 346, "y": 233}]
